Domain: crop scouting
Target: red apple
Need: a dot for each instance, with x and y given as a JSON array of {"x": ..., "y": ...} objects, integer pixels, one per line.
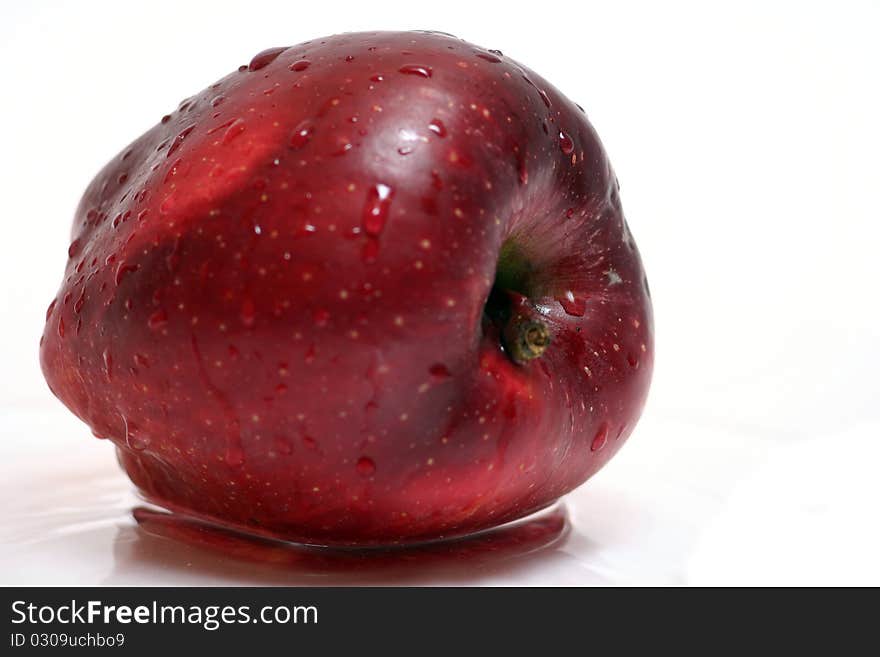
[{"x": 372, "y": 289}]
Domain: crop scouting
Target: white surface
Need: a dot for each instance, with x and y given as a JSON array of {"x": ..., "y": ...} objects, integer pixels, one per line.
[{"x": 746, "y": 142}]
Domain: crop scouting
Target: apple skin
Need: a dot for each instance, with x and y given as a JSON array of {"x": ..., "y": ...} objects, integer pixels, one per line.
[{"x": 275, "y": 303}]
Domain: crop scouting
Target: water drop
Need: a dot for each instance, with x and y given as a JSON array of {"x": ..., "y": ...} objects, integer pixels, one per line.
[
  {"x": 73, "y": 249},
  {"x": 376, "y": 209},
  {"x": 157, "y": 320},
  {"x": 365, "y": 466},
  {"x": 178, "y": 140},
  {"x": 565, "y": 143},
  {"x": 108, "y": 363},
  {"x": 78, "y": 304},
  {"x": 134, "y": 438},
  {"x": 341, "y": 146},
  {"x": 576, "y": 307},
  {"x": 439, "y": 372},
  {"x": 264, "y": 58},
  {"x": 302, "y": 134},
  {"x": 51, "y": 309},
  {"x": 377, "y": 78},
  {"x": 141, "y": 361},
  {"x": 545, "y": 98},
  {"x": 234, "y": 130},
  {"x": 522, "y": 170},
  {"x": 413, "y": 69},
  {"x": 301, "y": 65},
  {"x": 436, "y": 126},
  {"x": 633, "y": 361},
  {"x": 404, "y": 150},
  {"x": 216, "y": 100},
  {"x": 600, "y": 438},
  {"x": 122, "y": 270},
  {"x": 61, "y": 327},
  {"x": 489, "y": 58}
]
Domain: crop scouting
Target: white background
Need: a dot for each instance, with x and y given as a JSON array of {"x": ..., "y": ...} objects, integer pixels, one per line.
[{"x": 747, "y": 141}]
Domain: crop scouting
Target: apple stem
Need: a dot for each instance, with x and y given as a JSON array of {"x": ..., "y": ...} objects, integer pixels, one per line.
[{"x": 526, "y": 339}]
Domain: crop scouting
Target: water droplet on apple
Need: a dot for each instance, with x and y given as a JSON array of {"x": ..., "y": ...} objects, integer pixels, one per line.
[
  {"x": 413, "y": 69},
  {"x": 439, "y": 372},
  {"x": 234, "y": 130},
  {"x": 133, "y": 436},
  {"x": 157, "y": 320},
  {"x": 545, "y": 98},
  {"x": 122, "y": 270},
  {"x": 300, "y": 66},
  {"x": 574, "y": 306},
  {"x": 341, "y": 145},
  {"x": 600, "y": 438},
  {"x": 489, "y": 58},
  {"x": 51, "y": 309},
  {"x": 264, "y": 58},
  {"x": 521, "y": 168},
  {"x": 302, "y": 134},
  {"x": 566, "y": 145},
  {"x": 178, "y": 140},
  {"x": 377, "y": 78},
  {"x": 108, "y": 363},
  {"x": 436, "y": 126},
  {"x": 376, "y": 209},
  {"x": 365, "y": 466},
  {"x": 61, "y": 327},
  {"x": 73, "y": 249},
  {"x": 310, "y": 442},
  {"x": 633, "y": 361}
]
